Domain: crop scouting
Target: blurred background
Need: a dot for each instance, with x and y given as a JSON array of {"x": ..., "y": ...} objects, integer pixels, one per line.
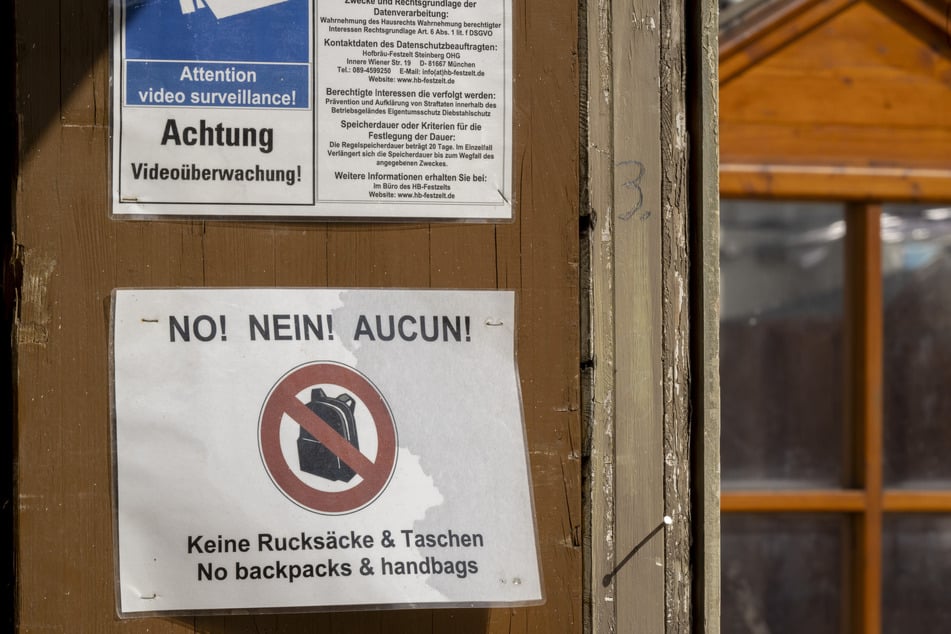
[{"x": 836, "y": 315}]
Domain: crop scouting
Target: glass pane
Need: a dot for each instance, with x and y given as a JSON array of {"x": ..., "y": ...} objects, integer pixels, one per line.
[
  {"x": 784, "y": 573},
  {"x": 916, "y": 574},
  {"x": 781, "y": 344},
  {"x": 916, "y": 265}
]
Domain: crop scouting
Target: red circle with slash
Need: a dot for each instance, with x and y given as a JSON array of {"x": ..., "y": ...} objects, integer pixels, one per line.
[{"x": 282, "y": 401}]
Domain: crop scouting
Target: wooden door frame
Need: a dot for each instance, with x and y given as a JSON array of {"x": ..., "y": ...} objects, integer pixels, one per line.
[{"x": 652, "y": 356}]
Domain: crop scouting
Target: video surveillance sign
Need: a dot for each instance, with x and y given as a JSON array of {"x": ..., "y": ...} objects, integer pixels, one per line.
[{"x": 312, "y": 109}]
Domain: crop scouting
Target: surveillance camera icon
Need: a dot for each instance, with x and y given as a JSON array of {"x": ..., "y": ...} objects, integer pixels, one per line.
[{"x": 226, "y": 8}]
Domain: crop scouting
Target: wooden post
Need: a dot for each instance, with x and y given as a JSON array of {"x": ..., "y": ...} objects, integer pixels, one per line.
[
  {"x": 702, "y": 96},
  {"x": 654, "y": 426}
]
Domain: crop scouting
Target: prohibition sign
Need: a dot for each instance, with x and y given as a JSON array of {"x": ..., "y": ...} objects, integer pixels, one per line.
[{"x": 283, "y": 400}]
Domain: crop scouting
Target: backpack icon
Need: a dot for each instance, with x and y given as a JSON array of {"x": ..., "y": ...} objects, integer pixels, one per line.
[{"x": 315, "y": 458}]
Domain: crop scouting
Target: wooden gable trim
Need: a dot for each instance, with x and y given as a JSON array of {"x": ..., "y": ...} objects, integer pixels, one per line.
[
  {"x": 927, "y": 10},
  {"x": 770, "y": 28},
  {"x": 831, "y": 182},
  {"x": 764, "y": 31}
]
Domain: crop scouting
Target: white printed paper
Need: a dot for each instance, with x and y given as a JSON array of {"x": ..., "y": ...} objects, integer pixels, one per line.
[
  {"x": 319, "y": 449},
  {"x": 313, "y": 109}
]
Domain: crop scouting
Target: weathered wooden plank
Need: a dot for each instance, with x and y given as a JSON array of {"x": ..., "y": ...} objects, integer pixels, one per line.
[
  {"x": 702, "y": 96},
  {"x": 677, "y": 321},
  {"x": 627, "y": 418},
  {"x": 284, "y": 255},
  {"x": 644, "y": 236},
  {"x": 638, "y": 217},
  {"x": 546, "y": 153},
  {"x": 599, "y": 349},
  {"x": 83, "y": 77}
]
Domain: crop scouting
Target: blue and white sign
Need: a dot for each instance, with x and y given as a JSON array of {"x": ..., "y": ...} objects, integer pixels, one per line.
[
  {"x": 302, "y": 108},
  {"x": 215, "y": 103}
]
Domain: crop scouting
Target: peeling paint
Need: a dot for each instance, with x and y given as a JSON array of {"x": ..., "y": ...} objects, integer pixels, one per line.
[
  {"x": 680, "y": 138},
  {"x": 34, "y": 310}
]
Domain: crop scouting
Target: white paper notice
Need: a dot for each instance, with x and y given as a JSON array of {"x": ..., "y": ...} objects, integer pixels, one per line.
[
  {"x": 319, "y": 449},
  {"x": 296, "y": 108}
]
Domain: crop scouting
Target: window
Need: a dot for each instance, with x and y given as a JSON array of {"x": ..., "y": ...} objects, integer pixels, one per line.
[{"x": 836, "y": 417}]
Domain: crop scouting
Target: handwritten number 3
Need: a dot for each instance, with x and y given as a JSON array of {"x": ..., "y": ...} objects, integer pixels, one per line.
[{"x": 635, "y": 185}]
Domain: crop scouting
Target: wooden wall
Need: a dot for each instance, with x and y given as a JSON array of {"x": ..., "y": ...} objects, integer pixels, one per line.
[{"x": 70, "y": 255}]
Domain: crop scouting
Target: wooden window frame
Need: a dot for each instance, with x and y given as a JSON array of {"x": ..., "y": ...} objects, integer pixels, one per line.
[{"x": 867, "y": 501}]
